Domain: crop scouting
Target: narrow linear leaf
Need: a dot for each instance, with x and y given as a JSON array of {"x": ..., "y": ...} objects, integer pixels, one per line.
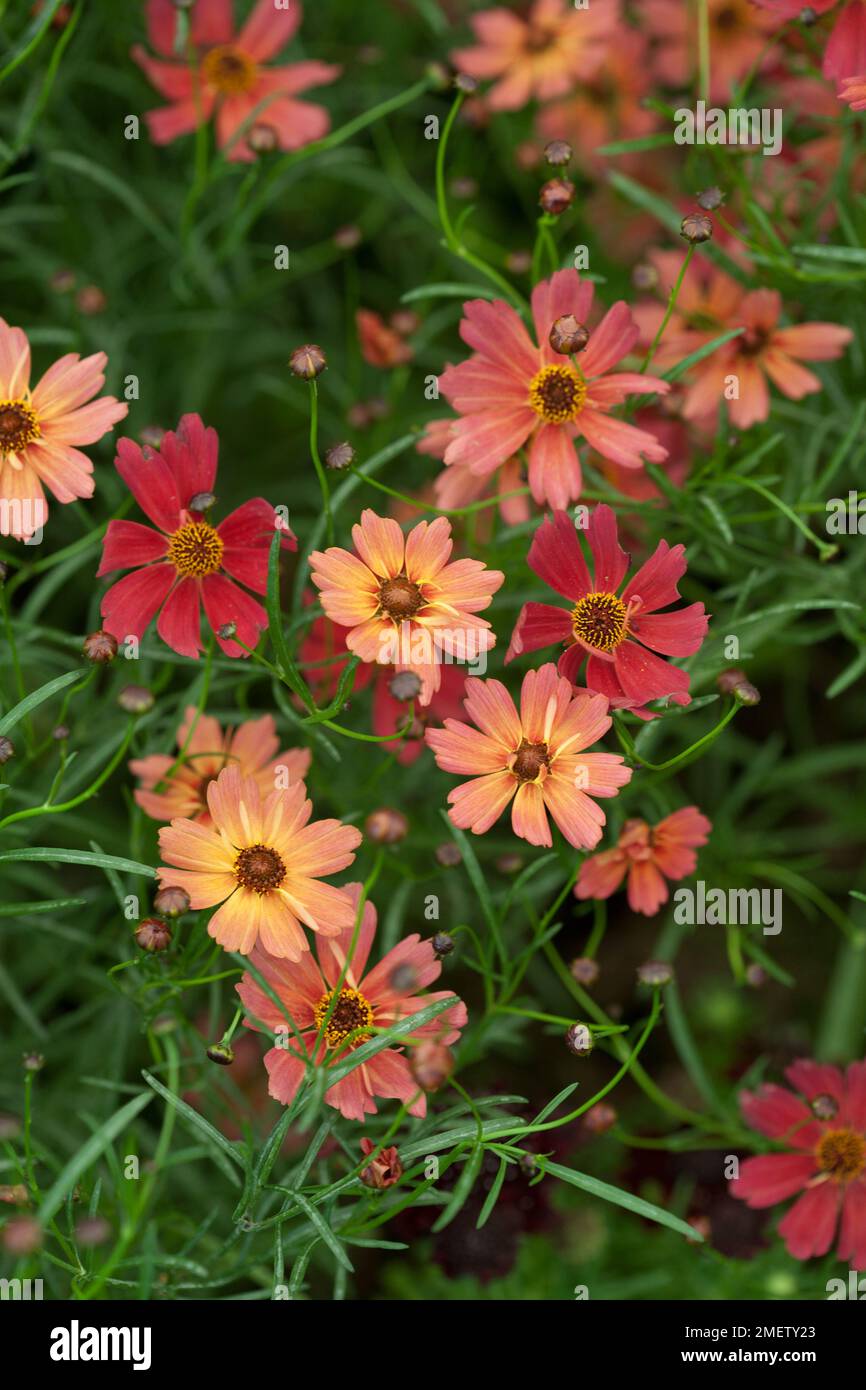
[
  {"x": 199, "y": 1123},
  {"x": 37, "y": 698},
  {"x": 42, "y": 854},
  {"x": 88, "y": 1154},
  {"x": 462, "y": 1188},
  {"x": 621, "y": 1198}
]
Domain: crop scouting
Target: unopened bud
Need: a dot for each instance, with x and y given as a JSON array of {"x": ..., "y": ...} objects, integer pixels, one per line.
[
  {"x": 695, "y": 228},
  {"x": 348, "y": 237},
  {"x": 340, "y": 456},
  {"x": 22, "y": 1236},
  {"x": 600, "y": 1118},
  {"x": 579, "y": 1039},
  {"x": 33, "y": 1061},
  {"x": 384, "y": 1170},
  {"x": 558, "y": 152},
  {"x": 15, "y": 1194},
  {"x": 556, "y": 196},
  {"x": 711, "y": 198},
  {"x": 644, "y": 277},
  {"x": 735, "y": 682},
  {"x": 7, "y": 749},
  {"x": 152, "y": 934},
  {"x": 308, "y": 361},
  {"x": 518, "y": 262},
  {"x": 60, "y": 732},
  {"x": 464, "y": 83},
  {"x": 171, "y": 902},
  {"x": 568, "y": 336},
  {"x": 262, "y": 138},
  {"x": 405, "y": 686},
  {"x": 756, "y": 975},
  {"x": 448, "y": 855},
  {"x": 221, "y": 1053},
  {"x": 63, "y": 281},
  {"x": 90, "y": 299},
  {"x": 510, "y": 863},
  {"x": 442, "y": 944},
  {"x": 386, "y": 826},
  {"x": 100, "y": 648},
  {"x": 585, "y": 970},
  {"x": 655, "y": 972},
  {"x": 431, "y": 1064},
  {"x": 136, "y": 699}
]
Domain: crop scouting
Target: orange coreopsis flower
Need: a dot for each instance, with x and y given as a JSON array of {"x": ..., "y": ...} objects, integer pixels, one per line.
[
  {"x": 405, "y": 604},
  {"x": 738, "y": 33},
  {"x": 534, "y": 761},
  {"x": 261, "y": 859},
  {"x": 648, "y": 855},
  {"x": 204, "y": 752}
]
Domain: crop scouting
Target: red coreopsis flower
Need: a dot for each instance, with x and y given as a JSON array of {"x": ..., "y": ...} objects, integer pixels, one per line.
[
  {"x": 624, "y": 636},
  {"x": 224, "y": 76},
  {"x": 512, "y": 394},
  {"x": 533, "y": 761},
  {"x": 823, "y": 1129},
  {"x": 370, "y": 999},
  {"x": 647, "y": 855},
  {"x": 186, "y": 562}
]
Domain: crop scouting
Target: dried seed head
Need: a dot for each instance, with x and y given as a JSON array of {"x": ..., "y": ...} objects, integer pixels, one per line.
[
  {"x": 340, "y": 456},
  {"x": 405, "y": 686},
  {"x": 558, "y": 152},
  {"x": 386, "y": 826},
  {"x": 384, "y": 1170},
  {"x": 448, "y": 855},
  {"x": 568, "y": 336},
  {"x": 556, "y": 195},
  {"x": 136, "y": 699},
  {"x": 308, "y": 361},
  {"x": 579, "y": 1039},
  {"x": 152, "y": 934},
  {"x": 221, "y": 1053},
  {"x": 171, "y": 902},
  {"x": 600, "y": 1118},
  {"x": 7, "y": 749},
  {"x": 262, "y": 138},
  {"x": 696, "y": 227},
  {"x": 442, "y": 944},
  {"x": 655, "y": 972},
  {"x": 431, "y": 1064},
  {"x": 585, "y": 970},
  {"x": 644, "y": 277},
  {"x": 464, "y": 83},
  {"x": 100, "y": 647},
  {"x": 711, "y": 198}
]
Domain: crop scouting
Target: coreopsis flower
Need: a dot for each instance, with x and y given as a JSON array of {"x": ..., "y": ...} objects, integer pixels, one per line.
[
  {"x": 737, "y": 40},
  {"x": 647, "y": 855},
  {"x": 623, "y": 636},
  {"x": 41, "y": 431},
  {"x": 512, "y": 394},
  {"x": 823, "y": 1130},
  {"x": 261, "y": 859},
  {"x": 324, "y": 656},
  {"x": 186, "y": 561},
  {"x": 607, "y": 106},
  {"x": 381, "y": 345},
  {"x": 224, "y": 76},
  {"x": 852, "y": 90},
  {"x": 368, "y": 999},
  {"x": 457, "y": 486},
  {"x": 707, "y": 304},
  {"x": 541, "y": 56},
  {"x": 765, "y": 351},
  {"x": 167, "y": 790},
  {"x": 534, "y": 761},
  {"x": 405, "y": 604}
]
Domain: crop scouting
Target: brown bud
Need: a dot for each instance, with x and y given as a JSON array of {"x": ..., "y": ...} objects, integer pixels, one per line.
[
  {"x": 556, "y": 195},
  {"x": 579, "y": 1039},
  {"x": 585, "y": 970},
  {"x": 386, "y": 826},
  {"x": 655, "y": 972},
  {"x": 340, "y": 456},
  {"x": 136, "y": 699},
  {"x": 464, "y": 83},
  {"x": 567, "y": 335},
  {"x": 221, "y": 1053},
  {"x": 262, "y": 138},
  {"x": 431, "y": 1064},
  {"x": 308, "y": 361},
  {"x": 448, "y": 855},
  {"x": 735, "y": 682},
  {"x": 558, "y": 152},
  {"x": 91, "y": 300},
  {"x": 518, "y": 262},
  {"x": 405, "y": 686},
  {"x": 510, "y": 863},
  {"x": 644, "y": 277},
  {"x": 696, "y": 227},
  {"x": 100, "y": 647},
  {"x": 711, "y": 198},
  {"x": 22, "y": 1235},
  {"x": 384, "y": 1170},
  {"x": 808, "y": 16},
  {"x": 442, "y": 944},
  {"x": 171, "y": 902},
  {"x": 32, "y": 1061},
  {"x": 152, "y": 934},
  {"x": 348, "y": 237},
  {"x": 201, "y": 502},
  {"x": 7, "y": 749},
  {"x": 825, "y": 1107},
  {"x": 600, "y": 1118}
]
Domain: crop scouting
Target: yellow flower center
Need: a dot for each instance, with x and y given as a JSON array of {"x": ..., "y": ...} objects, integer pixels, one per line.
[
  {"x": 351, "y": 1013},
  {"x": 400, "y": 598},
  {"x": 842, "y": 1154},
  {"x": 599, "y": 620},
  {"x": 259, "y": 868},
  {"x": 557, "y": 394},
  {"x": 18, "y": 426},
  {"x": 195, "y": 550},
  {"x": 529, "y": 759},
  {"x": 229, "y": 70}
]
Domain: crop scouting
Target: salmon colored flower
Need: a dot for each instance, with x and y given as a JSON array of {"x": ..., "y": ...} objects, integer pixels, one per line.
[
  {"x": 224, "y": 76},
  {"x": 260, "y": 858},
  {"x": 178, "y": 786},
  {"x": 619, "y": 634},
  {"x": 510, "y": 393},
  {"x": 823, "y": 1129},
  {"x": 41, "y": 429},
  {"x": 187, "y": 562},
  {"x": 405, "y": 604},
  {"x": 648, "y": 854},
  {"x": 737, "y": 41},
  {"x": 381, "y": 345},
  {"x": 606, "y": 107},
  {"x": 542, "y": 56},
  {"x": 707, "y": 304},
  {"x": 458, "y": 486},
  {"x": 368, "y": 999},
  {"x": 533, "y": 761},
  {"x": 765, "y": 351},
  {"x": 853, "y": 91}
]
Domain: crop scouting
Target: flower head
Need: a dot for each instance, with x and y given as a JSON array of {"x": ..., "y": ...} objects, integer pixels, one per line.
[
  {"x": 187, "y": 561},
  {"x": 823, "y": 1130},
  {"x": 260, "y": 858},
  {"x": 227, "y": 77},
  {"x": 405, "y": 604},
  {"x": 41, "y": 431},
  {"x": 178, "y": 786},
  {"x": 618, "y": 633},
  {"x": 512, "y": 393},
  {"x": 533, "y": 761},
  {"x": 332, "y": 1028},
  {"x": 647, "y": 854}
]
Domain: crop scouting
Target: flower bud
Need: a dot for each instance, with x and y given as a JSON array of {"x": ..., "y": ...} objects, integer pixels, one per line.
[
  {"x": 558, "y": 152},
  {"x": 510, "y": 863},
  {"x": 22, "y": 1236},
  {"x": 90, "y": 299},
  {"x": 152, "y": 436},
  {"x": 518, "y": 262},
  {"x": 655, "y": 972},
  {"x": 32, "y": 1061},
  {"x": 442, "y": 944},
  {"x": 136, "y": 699},
  {"x": 152, "y": 934},
  {"x": 431, "y": 1064},
  {"x": 696, "y": 227},
  {"x": 568, "y": 336},
  {"x": 262, "y": 138},
  {"x": 7, "y": 749},
  {"x": 756, "y": 975},
  {"x": 579, "y": 1039},
  {"x": 100, "y": 648},
  {"x": 386, "y": 826},
  {"x": 60, "y": 732},
  {"x": 340, "y": 456},
  {"x": 711, "y": 198},
  {"x": 62, "y": 281},
  {"x": 384, "y": 1170},
  {"x": 348, "y": 237},
  {"x": 463, "y": 187},
  {"x": 221, "y": 1053},
  {"x": 825, "y": 1107},
  {"x": 308, "y": 361},
  {"x": 556, "y": 196},
  {"x": 464, "y": 83},
  {"x": 405, "y": 686},
  {"x": 585, "y": 970},
  {"x": 600, "y": 1118},
  {"x": 735, "y": 682},
  {"x": 15, "y": 1194},
  {"x": 644, "y": 277},
  {"x": 171, "y": 902},
  {"x": 448, "y": 855}
]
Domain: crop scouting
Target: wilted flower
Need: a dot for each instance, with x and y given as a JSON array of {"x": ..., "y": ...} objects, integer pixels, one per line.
[{"x": 384, "y": 1170}]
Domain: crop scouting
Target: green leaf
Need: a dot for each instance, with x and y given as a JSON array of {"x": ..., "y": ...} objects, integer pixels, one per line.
[
  {"x": 473, "y": 868},
  {"x": 854, "y": 255},
  {"x": 462, "y": 1188},
  {"x": 680, "y": 368},
  {"x": 88, "y": 1154},
  {"x": 32, "y": 36},
  {"x": 493, "y": 1195},
  {"x": 621, "y": 1198},
  {"x": 404, "y": 1027},
  {"x": 40, "y": 908},
  {"x": 77, "y": 856},
  {"x": 199, "y": 1123},
  {"x": 316, "y": 1220},
  {"x": 450, "y": 289},
  {"x": 36, "y": 698},
  {"x": 99, "y": 174}
]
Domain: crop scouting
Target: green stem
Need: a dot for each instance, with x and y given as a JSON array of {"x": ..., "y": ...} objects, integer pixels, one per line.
[
  {"x": 314, "y": 451},
  {"x": 672, "y": 299}
]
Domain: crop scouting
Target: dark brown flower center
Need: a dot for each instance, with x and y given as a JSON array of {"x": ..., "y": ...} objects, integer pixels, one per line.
[
  {"x": 195, "y": 550},
  {"x": 529, "y": 759},
  {"x": 229, "y": 70},
  {"x": 842, "y": 1154},
  {"x": 18, "y": 426},
  {"x": 259, "y": 868},
  {"x": 599, "y": 620},
  {"x": 557, "y": 394},
  {"x": 351, "y": 1013},
  {"x": 400, "y": 597}
]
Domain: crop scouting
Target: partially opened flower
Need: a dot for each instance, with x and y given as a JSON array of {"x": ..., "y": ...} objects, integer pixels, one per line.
[
  {"x": 823, "y": 1131},
  {"x": 187, "y": 561},
  {"x": 367, "y": 1000},
  {"x": 623, "y": 636},
  {"x": 225, "y": 76},
  {"x": 512, "y": 394},
  {"x": 533, "y": 761},
  {"x": 647, "y": 855},
  {"x": 261, "y": 859},
  {"x": 41, "y": 429},
  {"x": 178, "y": 786},
  {"x": 542, "y": 56},
  {"x": 405, "y": 604}
]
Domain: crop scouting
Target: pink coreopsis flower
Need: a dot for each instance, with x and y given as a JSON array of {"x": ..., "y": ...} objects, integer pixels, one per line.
[
  {"x": 167, "y": 790},
  {"x": 457, "y": 486},
  {"x": 510, "y": 393},
  {"x": 373, "y": 998},
  {"x": 648, "y": 855},
  {"x": 623, "y": 636},
  {"x": 534, "y": 761},
  {"x": 823, "y": 1129},
  {"x": 41, "y": 428},
  {"x": 608, "y": 106},
  {"x": 853, "y": 91},
  {"x": 223, "y": 75},
  {"x": 186, "y": 562}
]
